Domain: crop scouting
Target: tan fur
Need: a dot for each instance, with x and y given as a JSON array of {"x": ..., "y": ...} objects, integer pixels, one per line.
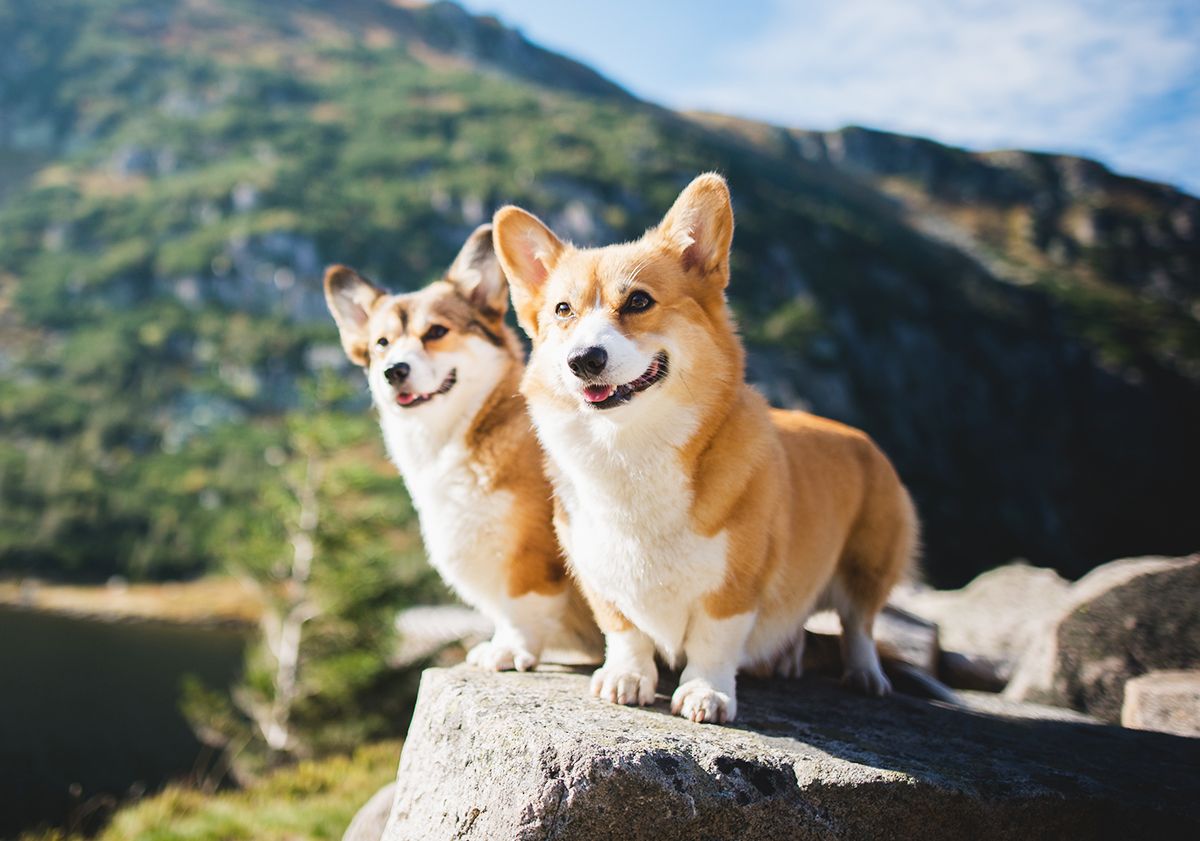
[
  {"x": 813, "y": 511},
  {"x": 500, "y": 438},
  {"x": 503, "y": 451}
]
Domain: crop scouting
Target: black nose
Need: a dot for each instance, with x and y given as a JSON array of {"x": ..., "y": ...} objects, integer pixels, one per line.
[
  {"x": 397, "y": 374},
  {"x": 588, "y": 362}
]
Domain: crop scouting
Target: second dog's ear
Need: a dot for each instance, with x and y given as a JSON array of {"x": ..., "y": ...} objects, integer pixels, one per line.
[
  {"x": 350, "y": 298},
  {"x": 477, "y": 274},
  {"x": 528, "y": 251}
]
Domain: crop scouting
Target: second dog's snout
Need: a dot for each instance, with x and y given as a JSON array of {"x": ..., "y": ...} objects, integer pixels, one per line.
[
  {"x": 588, "y": 362},
  {"x": 397, "y": 373}
]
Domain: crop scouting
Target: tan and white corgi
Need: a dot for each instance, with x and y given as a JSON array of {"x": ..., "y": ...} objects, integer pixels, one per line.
[
  {"x": 700, "y": 523},
  {"x": 443, "y": 371}
]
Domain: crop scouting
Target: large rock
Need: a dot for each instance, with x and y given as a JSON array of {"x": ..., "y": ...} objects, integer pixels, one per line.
[
  {"x": 1166, "y": 701},
  {"x": 1119, "y": 621},
  {"x": 531, "y": 756},
  {"x": 370, "y": 820},
  {"x": 992, "y": 621}
]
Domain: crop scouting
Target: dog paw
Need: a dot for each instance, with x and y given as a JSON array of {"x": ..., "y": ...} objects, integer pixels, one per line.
[
  {"x": 868, "y": 681},
  {"x": 699, "y": 701},
  {"x": 789, "y": 664},
  {"x": 624, "y": 686},
  {"x": 501, "y": 657}
]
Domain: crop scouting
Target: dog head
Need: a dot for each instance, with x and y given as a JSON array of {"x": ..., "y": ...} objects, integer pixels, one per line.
[
  {"x": 628, "y": 331},
  {"x": 443, "y": 345}
]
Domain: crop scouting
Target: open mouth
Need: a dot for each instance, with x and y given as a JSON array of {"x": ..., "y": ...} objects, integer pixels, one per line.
[
  {"x": 408, "y": 399},
  {"x": 606, "y": 396}
]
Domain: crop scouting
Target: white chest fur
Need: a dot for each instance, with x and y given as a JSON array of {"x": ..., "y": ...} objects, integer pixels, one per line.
[
  {"x": 465, "y": 524},
  {"x": 630, "y": 538}
]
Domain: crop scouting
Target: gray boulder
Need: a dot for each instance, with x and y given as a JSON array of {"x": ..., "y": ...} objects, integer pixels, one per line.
[
  {"x": 532, "y": 756},
  {"x": 1119, "y": 621},
  {"x": 989, "y": 623},
  {"x": 370, "y": 820},
  {"x": 1168, "y": 701}
]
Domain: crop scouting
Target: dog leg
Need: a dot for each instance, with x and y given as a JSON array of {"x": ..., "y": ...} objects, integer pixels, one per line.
[
  {"x": 708, "y": 686},
  {"x": 522, "y": 625},
  {"x": 875, "y": 557},
  {"x": 789, "y": 663},
  {"x": 863, "y": 671},
  {"x": 629, "y": 674}
]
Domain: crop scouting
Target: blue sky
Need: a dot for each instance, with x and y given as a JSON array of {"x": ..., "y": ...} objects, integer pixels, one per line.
[{"x": 1116, "y": 80}]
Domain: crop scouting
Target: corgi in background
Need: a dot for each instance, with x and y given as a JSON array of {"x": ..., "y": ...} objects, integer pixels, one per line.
[
  {"x": 700, "y": 523},
  {"x": 443, "y": 371}
]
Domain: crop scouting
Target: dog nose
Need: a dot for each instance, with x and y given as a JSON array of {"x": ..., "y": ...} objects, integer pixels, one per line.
[
  {"x": 588, "y": 362},
  {"x": 397, "y": 373}
]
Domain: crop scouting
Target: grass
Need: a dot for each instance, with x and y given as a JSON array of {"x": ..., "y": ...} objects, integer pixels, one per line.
[
  {"x": 213, "y": 599},
  {"x": 311, "y": 801}
]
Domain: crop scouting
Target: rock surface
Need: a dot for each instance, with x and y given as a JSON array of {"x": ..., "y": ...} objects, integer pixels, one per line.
[
  {"x": 1119, "y": 621},
  {"x": 1168, "y": 701},
  {"x": 532, "y": 756},
  {"x": 993, "y": 620},
  {"x": 370, "y": 820}
]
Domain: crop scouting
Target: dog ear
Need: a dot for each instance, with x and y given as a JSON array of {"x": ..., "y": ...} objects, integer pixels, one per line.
[
  {"x": 477, "y": 274},
  {"x": 350, "y": 298},
  {"x": 699, "y": 226},
  {"x": 528, "y": 252}
]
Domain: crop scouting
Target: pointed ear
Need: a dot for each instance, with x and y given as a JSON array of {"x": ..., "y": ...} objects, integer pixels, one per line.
[
  {"x": 528, "y": 252},
  {"x": 350, "y": 298},
  {"x": 699, "y": 226},
  {"x": 477, "y": 274}
]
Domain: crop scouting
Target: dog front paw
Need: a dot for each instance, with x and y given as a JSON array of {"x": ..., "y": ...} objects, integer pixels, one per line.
[
  {"x": 699, "y": 701},
  {"x": 623, "y": 685},
  {"x": 501, "y": 657}
]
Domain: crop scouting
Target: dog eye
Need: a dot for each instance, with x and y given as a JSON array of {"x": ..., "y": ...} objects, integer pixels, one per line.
[
  {"x": 563, "y": 310},
  {"x": 638, "y": 302},
  {"x": 381, "y": 342},
  {"x": 434, "y": 332}
]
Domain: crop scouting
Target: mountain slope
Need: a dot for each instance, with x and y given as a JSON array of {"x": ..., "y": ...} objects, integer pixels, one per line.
[{"x": 174, "y": 175}]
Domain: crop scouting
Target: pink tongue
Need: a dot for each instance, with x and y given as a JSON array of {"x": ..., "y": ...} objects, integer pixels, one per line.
[
  {"x": 404, "y": 398},
  {"x": 598, "y": 393}
]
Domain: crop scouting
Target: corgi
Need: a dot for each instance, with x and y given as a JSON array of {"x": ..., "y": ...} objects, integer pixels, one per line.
[
  {"x": 701, "y": 524},
  {"x": 443, "y": 371}
]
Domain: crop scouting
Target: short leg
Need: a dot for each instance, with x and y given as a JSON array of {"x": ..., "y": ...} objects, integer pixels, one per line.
[
  {"x": 522, "y": 625},
  {"x": 789, "y": 663},
  {"x": 863, "y": 671},
  {"x": 708, "y": 686},
  {"x": 876, "y": 555},
  {"x": 629, "y": 674}
]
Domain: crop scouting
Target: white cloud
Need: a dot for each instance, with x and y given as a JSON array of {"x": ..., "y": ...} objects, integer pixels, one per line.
[{"x": 1078, "y": 75}]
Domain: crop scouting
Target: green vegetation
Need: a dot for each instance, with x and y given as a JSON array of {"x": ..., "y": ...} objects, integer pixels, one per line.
[
  {"x": 311, "y": 801},
  {"x": 192, "y": 165},
  {"x": 318, "y": 680},
  {"x": 164, "y": 278}
]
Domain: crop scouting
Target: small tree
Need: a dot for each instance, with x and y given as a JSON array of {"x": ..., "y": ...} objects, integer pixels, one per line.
[
  {"x": 334, "y": 553},
  {"x": 289, "y": 607}
]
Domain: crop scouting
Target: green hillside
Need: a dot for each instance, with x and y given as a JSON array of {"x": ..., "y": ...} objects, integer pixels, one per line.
[{"x": 174, "y": 174}]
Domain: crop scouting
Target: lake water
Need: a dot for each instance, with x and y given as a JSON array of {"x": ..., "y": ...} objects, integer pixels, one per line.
[{"x": 96, "y": 704}]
